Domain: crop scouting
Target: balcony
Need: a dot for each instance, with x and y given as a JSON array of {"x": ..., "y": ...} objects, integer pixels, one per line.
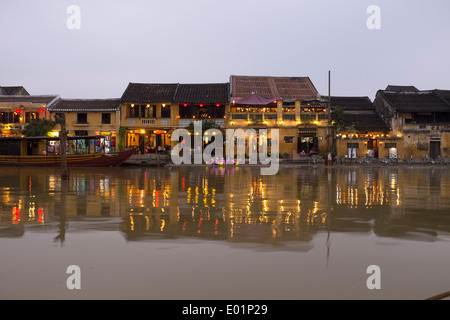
[
  {"x": 148, "y": 122},
  {"x": 81, "y": 124}
]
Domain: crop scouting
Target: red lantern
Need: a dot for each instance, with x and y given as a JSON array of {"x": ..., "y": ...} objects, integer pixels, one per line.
[
  {"x": 185, "y": 104},
  {"x": 17, "y": 110},
  {"x": 201, "y": 105},
  {"x": 217, "y": 105},
  {"x": 41, "y": 110}
]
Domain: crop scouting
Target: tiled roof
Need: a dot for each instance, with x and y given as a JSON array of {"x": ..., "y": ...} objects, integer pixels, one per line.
[
  {"x": 202, "y": 93},
  {"x": 401, "y": 88},
  {"x": 445, "y": 94},
  {"x": 86, "y": 105},
  {"x": 422, "y": 101},
  {"x": 176, "y": 93},
  {"x": 13, "y": 90},
  {"x": 352, "y": 103},
  {"x": 149, "y": 93},
  {"x": 365, "y": 122},
  {"x": 298, "y": 88},
  {"x": 48, "y": 100}
]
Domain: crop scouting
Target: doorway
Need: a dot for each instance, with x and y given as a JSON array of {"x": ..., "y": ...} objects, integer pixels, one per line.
[
  {"x": 435, "y": 149},
  {"x": 307, "y": 144}
]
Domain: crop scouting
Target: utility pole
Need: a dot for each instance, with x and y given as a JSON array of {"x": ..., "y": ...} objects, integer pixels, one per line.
[
  {"x": 61, "y": 120},
  {"x": 330, "y": 159}
]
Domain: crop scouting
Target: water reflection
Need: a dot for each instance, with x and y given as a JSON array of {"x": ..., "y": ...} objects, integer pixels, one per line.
[{"x": 236, "y": 205}]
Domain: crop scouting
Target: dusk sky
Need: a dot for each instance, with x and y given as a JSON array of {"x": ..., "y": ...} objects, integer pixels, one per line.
[{"x": 205, "y": 41}]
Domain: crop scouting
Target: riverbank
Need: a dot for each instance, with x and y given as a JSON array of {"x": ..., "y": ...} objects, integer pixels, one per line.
[{"x": 153, "y": 161}]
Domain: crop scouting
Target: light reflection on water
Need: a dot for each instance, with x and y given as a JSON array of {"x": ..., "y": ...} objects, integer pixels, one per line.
[{"x": 298, "y": 210}]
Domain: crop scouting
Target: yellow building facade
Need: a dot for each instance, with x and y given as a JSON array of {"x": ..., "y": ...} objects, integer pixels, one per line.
[
  {"x": 18, "y": 111},
  {"x": 90, "y": 117},
  {"x": 420, "y": 118}
]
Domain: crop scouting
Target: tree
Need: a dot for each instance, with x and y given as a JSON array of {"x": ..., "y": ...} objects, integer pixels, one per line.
[
  {"x": 337, "y": 116},
  {"x": 206, "y": 125},
  {"x": 61, "y": 120},
  {"x": 39, "y": 128}
]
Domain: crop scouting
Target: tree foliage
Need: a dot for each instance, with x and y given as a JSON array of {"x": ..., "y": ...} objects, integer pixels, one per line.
[
  {"x": 337, "y": 116},
  {"x": 38, "y": 128},
  {"x": 206, "y": 125}
]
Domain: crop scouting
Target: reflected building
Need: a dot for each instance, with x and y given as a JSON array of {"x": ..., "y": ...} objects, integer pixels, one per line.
[{"x": 235, "y": 204}]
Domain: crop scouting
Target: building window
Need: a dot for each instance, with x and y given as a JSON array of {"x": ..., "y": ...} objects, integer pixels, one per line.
[
  {"x": 106, "y": 118},
  {"x": 352, "y": 145},
  {"x": 30, "y": 116},
  {"x": 9, "y": 117},
  {"x": 165, "y": 111},
  {"x": 151, "y": 111},
  {"x": 390, "y": 145},
  {"x": 289, "y": 117},
  {"x": 288, "y": 139},
  {"x": 306, "y": 118},
  {"x": 82, "y": 118},
  {"x": 239, "y": 116}
]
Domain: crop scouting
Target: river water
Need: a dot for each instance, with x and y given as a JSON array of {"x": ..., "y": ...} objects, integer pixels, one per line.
[{"x": 225, "y": 233}]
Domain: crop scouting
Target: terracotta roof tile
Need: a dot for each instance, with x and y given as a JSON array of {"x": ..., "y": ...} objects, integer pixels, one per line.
[{"x": 299, "y": 88}]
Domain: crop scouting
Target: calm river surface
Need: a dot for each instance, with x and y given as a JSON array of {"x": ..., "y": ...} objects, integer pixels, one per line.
[{"x": 225, "y": 233}]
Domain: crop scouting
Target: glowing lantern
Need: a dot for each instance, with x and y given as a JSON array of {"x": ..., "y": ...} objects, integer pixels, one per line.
[
  {"x": 41, "y": 110},
  {"x": 17, "y": 110}
]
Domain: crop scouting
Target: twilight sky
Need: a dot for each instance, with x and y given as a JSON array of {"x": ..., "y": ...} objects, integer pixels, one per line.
[{"x": 203, "y": 41}]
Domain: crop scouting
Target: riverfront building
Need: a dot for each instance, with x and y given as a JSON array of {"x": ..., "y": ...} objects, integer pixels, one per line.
[
  {"x": 362, "y": 130},
  {"x": 420, "y": 118},
  {"x": 90, "y": 117},
  {"x": 16, "y": 111},
  {"x": 402, "y": 120},
  {"x": 150, "y": 112},
  {"x": 290, "y": 104}
]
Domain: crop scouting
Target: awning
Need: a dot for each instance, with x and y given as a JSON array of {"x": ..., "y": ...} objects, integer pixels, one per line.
[{"x": 254, "y": 99}]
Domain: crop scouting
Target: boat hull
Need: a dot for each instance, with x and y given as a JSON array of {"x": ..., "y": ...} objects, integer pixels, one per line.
[{"x": 113, "y": 159}]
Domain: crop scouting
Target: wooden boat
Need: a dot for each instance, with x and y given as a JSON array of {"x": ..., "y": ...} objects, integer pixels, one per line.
[{"x": 16, "y": 152}]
